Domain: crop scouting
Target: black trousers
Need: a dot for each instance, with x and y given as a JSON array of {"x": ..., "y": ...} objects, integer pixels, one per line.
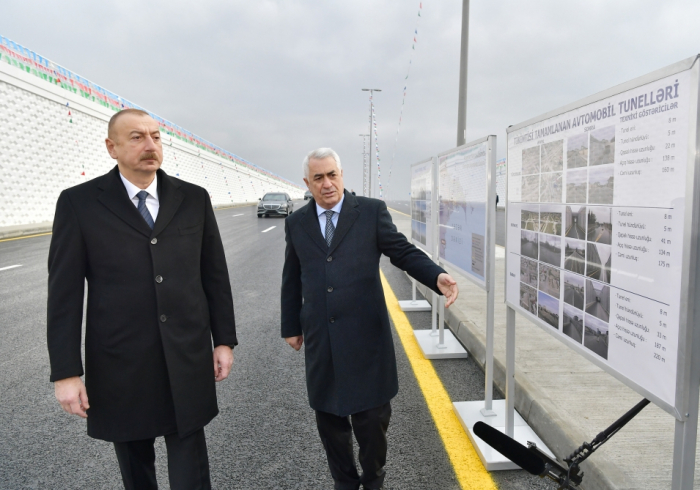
[
  {"x": 370, "y": 428},
  {"x": 188, "y": 463}
]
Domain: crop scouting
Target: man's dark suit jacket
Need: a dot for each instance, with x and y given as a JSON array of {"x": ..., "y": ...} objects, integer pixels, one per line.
[
  {"x": 155, "y": 300},
  {"x": 334, "y": 297}
]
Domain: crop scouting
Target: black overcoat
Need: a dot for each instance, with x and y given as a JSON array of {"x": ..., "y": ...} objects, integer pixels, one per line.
[
  {"x": 334, "y": 297},
  {"x": 156, "y": 298}
]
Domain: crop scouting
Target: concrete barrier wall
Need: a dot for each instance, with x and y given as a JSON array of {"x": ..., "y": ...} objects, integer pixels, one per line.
[{"x": 52, "y": 129}]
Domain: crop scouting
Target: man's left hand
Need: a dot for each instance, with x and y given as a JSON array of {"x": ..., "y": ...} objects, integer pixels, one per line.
[
  {"x": 448, "y": 287},
  {"x": 223, "y": 360}
]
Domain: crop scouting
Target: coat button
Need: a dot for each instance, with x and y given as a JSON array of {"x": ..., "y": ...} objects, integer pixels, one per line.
[
  {"x": 163, "y": 318},
  {"x": 154, "y": 241},
  {"x": 159, "y": 279},
  {"x": 330, "y": 289},
  {"x": 332, "y": 320},
  {"x": 327, "y": 260}
]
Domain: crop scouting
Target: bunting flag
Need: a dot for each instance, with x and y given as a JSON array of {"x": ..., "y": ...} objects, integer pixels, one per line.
[{"x": 405, "y": 89}]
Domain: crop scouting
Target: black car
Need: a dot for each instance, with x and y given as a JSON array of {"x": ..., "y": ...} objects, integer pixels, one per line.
[
  {"x": 308, "y": 195},
  {"x": 275, "y": 204}
]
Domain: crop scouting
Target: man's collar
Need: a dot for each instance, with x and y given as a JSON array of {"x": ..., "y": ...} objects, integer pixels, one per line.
[
  {"x": 336, "y": 208},
  {"x": 132, "y": 190}
]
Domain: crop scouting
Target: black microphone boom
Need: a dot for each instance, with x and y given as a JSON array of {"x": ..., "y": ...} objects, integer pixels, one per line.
[
  {"x": 536, "y": 462},
  {"x": 510, "y": 448}
]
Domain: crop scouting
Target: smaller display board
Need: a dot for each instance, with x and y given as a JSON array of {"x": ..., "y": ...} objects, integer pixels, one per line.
[
  {"x": 421, "y": 205},
  {"x": 463, "y": 191},
  {"x": 597, "y": 222}
]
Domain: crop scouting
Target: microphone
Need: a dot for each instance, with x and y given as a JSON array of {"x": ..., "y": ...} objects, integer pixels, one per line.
[{"x": 510, "y": 448}]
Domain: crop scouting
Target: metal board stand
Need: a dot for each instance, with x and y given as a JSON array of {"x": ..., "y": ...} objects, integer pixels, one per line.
[
  {"x": 439, "y": 343},
  {"x": 414, "y": 304},
  {"x": 498, "y": 414}
]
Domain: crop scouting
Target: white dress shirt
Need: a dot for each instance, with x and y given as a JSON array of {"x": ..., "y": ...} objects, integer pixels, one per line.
[
  {"x": 322, "y": 215},
  {"x": 152, "y": 202}
]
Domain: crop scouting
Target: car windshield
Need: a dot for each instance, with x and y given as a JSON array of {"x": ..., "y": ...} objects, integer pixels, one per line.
[{"x": 274, "y": 197}]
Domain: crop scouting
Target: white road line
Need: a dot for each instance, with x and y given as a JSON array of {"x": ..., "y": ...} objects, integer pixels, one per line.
[
  {"x": 270, "y": 228},
  {"x": 237, "y": 215},
  {"x": 10, "y": 267}
]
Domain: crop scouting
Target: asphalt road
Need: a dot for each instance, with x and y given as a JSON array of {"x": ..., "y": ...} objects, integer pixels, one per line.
[
  {"x": 573, "y": 297},
  {"x": 550, "y": 255},
  {"x": 575, "y": 263},
  {"x": 574, "y": 329},
  {"x": 265, "y": 436},
  {"x": 599, "y": 234},
  {"x": 596, "y": 344},
  {"x": 575, "y": 231},
  {"x": 597, "y": 310}
]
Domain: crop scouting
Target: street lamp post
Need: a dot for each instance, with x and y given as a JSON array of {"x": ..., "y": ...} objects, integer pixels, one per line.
[
  {"x": 371, "y": 93},
  {"x": 464, "y": 51},
  {"x": 365, "y": 167}
]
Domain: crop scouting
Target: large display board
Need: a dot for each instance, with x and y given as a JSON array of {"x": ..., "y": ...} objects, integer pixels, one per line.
[
  {"x": 596, "y": 224},
  {"x": 463, "y": 191},
  {"x": 421, "y": 205}
]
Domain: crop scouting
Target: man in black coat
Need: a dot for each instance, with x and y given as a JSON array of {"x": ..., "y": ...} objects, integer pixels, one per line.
[
  {"x": 333, "y": 303},
  {"x": 158, "y": 294}
]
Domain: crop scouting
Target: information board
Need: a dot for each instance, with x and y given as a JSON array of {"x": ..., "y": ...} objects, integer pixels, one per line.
[
  {"x": 596, "y": 223},
  {"x": 421, "y": 205},
  {"x": 463, "y": 184}
]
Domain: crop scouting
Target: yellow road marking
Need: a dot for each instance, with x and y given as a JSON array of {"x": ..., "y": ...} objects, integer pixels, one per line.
[
  {"x": 23, "y": 237},
  {"x": 397, "y": 211},
  {"x": 467, "y": 466}
]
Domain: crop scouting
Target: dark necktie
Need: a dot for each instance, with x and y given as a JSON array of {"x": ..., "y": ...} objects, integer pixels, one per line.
[
  {"x": 330, "y": 229},
  {"x": 143, "y": 209}
]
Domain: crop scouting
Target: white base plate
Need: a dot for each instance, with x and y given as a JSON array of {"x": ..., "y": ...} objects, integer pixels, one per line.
[
  {"x": 417, "y": 305},
  {"x": 469, "y": 413},
  {"x": 428, "y": 344}
]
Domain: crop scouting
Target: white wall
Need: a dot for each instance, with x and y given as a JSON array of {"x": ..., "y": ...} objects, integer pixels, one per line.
[{"x": 52, "y": 138}]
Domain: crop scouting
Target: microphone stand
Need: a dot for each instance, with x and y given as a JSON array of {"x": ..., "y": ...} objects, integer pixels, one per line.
[{"x": 565, "y": 477}]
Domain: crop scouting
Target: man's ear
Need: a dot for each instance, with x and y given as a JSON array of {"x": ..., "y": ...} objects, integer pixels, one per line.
[
  {"x": 110, "y": 148},
  {"x": 306, "y": 181}
]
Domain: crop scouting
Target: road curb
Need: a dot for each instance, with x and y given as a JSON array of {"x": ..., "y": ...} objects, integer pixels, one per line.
[
  {"x": 535, "y": 406},
  {"x": 25, "y": 230},
  {"x": 19, "y": 231}
]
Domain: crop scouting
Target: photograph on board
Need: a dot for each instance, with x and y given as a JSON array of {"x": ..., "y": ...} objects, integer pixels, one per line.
[
  {"x": 600, "y": 224},
  {"x": 575, "y": 256},
  {"x": 551, "y": 187},
  {"x": 550, "y": 249},
  {"x": 602, "y": 146},
  {"x": 548, "y": 309},
  {"x": 550, "y": 280},
  {"x": 573, "y": 290},
  {"x": 528, "y": 244},
  {"x": 577, "y": 151},
  {"x": 572, "y": 324},
  {"x": 531, "y": 160},
  {"x": 415, "y": 230},
  {"x": 601, "y": 184},
  {"x": 552, "y": 159},
  {"x": 598, "y": 300},
  {"x": 575, "y": 225},
  {"x": 598, "y": 261},
  {"x": 530, "y": 217},
  {"x": 577, "y": 186},
  {"x": 530, "y": 188},
  {"x": 595, "y": 335},
  {"x": 528, "y": 271},
  {"x": 550, "y": 219},
  {"x": 528, "y": 298}
]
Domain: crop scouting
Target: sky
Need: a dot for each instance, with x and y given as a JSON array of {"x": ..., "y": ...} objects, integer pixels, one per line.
[{"x": 272, "y": 80}]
